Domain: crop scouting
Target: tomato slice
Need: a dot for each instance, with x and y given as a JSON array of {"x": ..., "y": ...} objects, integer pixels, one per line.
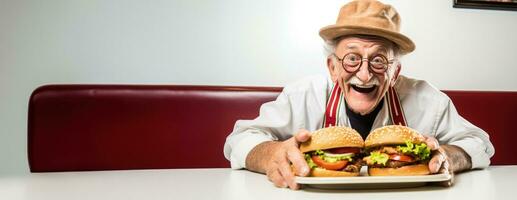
[
  {"x": 344, "y": 150},
  {"x": 327, "y": 165},
  {"x": 400, "y": 157}
]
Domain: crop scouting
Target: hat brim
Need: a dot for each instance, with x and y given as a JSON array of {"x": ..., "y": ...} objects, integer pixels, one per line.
[{"x": 332, "y": 32}]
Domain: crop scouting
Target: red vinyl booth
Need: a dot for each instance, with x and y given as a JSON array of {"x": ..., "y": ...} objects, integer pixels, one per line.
[{"x": 116, "y": 127}]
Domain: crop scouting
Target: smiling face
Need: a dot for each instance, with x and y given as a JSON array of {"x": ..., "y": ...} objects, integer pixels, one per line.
[{"x": 363, "y": 87}]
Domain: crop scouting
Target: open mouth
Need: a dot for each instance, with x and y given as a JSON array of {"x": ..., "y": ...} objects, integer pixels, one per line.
[{"x": 363, "y": 88}]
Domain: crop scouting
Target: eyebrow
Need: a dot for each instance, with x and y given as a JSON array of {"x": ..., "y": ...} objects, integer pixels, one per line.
[
  {"x": 381, "y": 48},
  {"x": 351, "y": 46}
]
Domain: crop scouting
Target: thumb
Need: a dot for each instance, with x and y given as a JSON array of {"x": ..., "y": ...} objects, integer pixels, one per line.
[{"x": 302, "y": 136}]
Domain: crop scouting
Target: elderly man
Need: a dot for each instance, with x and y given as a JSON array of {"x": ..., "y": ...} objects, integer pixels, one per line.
[{"x": 364, "y": 91}]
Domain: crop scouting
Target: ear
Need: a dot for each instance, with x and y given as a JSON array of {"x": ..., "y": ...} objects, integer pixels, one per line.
[
  {"x": 332, "y": 69},
  {"x": 396, "y": 74}
]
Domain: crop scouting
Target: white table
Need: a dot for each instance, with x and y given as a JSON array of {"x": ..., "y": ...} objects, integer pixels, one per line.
[{"x": 496, "y": 182}]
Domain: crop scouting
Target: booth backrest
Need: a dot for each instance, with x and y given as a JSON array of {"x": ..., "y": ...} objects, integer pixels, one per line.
[
  {"x": 111, "y": 127},
  {"x": 493, "y": 112},
  {"x": 114, "y": 127}
]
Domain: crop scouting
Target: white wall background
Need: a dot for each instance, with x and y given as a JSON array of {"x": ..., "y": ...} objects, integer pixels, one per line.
[{"x": 222, "y": 42}]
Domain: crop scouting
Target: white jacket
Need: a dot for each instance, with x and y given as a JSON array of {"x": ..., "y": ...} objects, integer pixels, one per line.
[{"x": 301, "y": 105}]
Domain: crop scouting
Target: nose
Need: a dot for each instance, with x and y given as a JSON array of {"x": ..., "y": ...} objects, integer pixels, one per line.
[{"x": 364, "y": 73}]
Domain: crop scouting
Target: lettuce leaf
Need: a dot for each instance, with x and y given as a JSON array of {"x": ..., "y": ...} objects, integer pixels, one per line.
[
  {"x": 379, "y": 158},
  {"x": 319, "y": 152},
  {"x": 421, "y": 151},
  {"x": 311, "y": 163}
]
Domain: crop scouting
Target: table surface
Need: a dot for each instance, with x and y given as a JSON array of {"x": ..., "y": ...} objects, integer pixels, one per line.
[{"x": 496, "y": 182}]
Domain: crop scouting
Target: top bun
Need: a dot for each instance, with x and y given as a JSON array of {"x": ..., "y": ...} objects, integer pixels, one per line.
[
  {"x": 392, "y": 135},
  {"x": 332, "y": 137}
]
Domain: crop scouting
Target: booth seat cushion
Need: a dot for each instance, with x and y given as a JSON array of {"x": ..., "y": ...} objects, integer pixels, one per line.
[{"x": 114, "y": 127}]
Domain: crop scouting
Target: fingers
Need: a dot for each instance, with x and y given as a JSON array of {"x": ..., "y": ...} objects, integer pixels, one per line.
[
  {"x": 275, "y": 177},
  {"x": 445, "y": 169},
  {"x": 439, "y": 164},
  {"x": 302, "y": 136},
  {"x": 287, "y": 174},
  {"x": 436, "y": 162},
  {"x": 432, "y": 143},
  {"x": 296, "y": 158},
  {"x": 280, "y": 171}
]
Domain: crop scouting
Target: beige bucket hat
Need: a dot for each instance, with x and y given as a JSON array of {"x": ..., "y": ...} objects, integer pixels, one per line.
[{"x": 368, "y": 17}]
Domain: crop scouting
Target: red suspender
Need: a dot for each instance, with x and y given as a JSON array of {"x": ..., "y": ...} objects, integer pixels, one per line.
[
  {"x": 336, "y": 97},
  {"x": 396, "y": 112},
  {"x": 332, "y": 110}
]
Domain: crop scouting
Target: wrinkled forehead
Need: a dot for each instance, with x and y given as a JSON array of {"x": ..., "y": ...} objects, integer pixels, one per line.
[{"x": 364, "y": 42}]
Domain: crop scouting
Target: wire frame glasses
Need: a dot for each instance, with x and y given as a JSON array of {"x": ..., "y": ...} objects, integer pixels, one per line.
[{"x": 351, "y": 62}]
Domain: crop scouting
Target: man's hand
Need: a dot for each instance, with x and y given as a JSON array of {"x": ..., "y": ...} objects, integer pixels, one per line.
[
  {"x": 447, "y": 159},
  {"x": 275, "y": 159}
]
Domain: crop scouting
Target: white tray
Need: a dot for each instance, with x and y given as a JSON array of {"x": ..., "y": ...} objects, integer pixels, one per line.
[{"x": 369, "y": 182}]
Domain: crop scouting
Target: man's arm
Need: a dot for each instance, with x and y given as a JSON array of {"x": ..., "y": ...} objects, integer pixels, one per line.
[
  {"x": 461, "y": 160},
  {"x": 446, "y": 157},
  {"x": 278, "y": 120},
  {"x": 275, "y": 158},
  {"x": 256, "y": 160},
  {"x": 273, "y": 123},
  {"x": 465, "y": 145}
]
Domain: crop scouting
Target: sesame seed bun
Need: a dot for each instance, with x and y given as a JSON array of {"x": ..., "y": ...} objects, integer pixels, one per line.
[
  {"x": 332, "y": 137},
  {"x": 392, "y": 135},
  {"x": 409, "y": 170},
  {"x": 395, "y": 135}
]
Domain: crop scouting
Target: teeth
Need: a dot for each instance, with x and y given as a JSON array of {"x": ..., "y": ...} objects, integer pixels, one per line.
[{"x": 365, "y": 86}]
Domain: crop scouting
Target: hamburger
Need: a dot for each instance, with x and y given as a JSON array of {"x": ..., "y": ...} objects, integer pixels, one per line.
[
  {"x": 333, "y": 151},
  {"x": 396, "y": 151}
]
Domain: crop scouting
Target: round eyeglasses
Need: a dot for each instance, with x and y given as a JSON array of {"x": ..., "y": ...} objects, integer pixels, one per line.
[{"x": 351, "y": 62}]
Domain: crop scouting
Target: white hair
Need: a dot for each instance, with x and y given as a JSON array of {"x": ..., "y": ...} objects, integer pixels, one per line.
[{"x": 329, "y": 47}]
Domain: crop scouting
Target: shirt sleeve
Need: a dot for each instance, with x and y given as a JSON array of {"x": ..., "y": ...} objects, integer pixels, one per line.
[
  {"x": 455, "y": 130},
  {"x": 273, "y": 123}
]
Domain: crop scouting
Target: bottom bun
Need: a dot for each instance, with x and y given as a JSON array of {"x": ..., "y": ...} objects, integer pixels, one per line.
[
  {"x": 409, "y": 170},
  {"x": 320, "y": 172}
]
